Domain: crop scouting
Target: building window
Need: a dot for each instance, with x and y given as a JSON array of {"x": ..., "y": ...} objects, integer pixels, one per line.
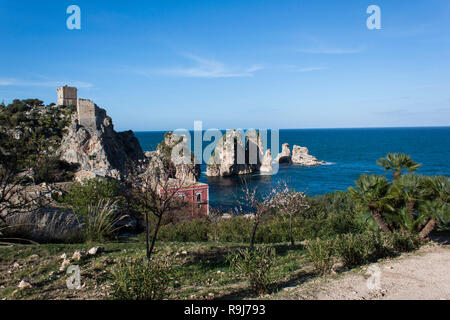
[{"x": 199, "y": 197}]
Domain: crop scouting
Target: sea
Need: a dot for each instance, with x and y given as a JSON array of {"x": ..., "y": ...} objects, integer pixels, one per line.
[{"x": 347, "y": 153}]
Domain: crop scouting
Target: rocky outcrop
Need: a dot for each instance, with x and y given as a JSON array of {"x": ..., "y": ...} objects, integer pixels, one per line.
[
  {"x": 234, "y": 156},
  {"x": 285, "y": 155},
  {"x": 300, "y": 155},
  {"x": 99, "y": 149},
  {"x": 266, "y": 165},
  {"x": 173, "y": 158}
]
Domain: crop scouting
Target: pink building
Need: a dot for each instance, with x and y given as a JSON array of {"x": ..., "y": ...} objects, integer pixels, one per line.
[{"x": 197, "y": 194}]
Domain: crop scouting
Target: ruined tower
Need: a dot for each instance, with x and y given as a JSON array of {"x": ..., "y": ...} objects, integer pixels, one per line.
[
  {"x": 87, "y": 113},
  {"x": 67, "y": 96}
]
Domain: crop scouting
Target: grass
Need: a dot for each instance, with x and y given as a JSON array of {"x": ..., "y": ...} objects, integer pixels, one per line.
[{"x": 201, "y": 270}]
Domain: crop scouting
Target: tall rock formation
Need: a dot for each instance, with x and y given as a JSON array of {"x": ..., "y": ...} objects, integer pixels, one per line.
[
  {"x": 235, "y": 156},
  {"x": 175, "y": 156},
  {"x": 266, "y": 164}
]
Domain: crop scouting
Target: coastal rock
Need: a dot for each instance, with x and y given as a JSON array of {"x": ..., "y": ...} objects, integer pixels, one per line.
[
  {"x": 232, "y": 156},
  {"x": 300, "y": 155},
  {"x": 176, "y": 149},
  {"x": 97, "y": 148},
  {"x": 266, "y": 165},
  {"x": 285, "y": 155},
  {"x": 172, "y": 159}
]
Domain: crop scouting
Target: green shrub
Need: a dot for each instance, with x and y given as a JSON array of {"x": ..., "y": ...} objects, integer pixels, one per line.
[
  {"x": 354, "y": 249},
  {"x": 379, "y": 245},
  {"x": 256, "y": 265},
  {"x": 276, "y": 229},
  {"x": 139, "y": 279},
  {"x": 236, "y": 229},
  {"x": 321, "y": 253},
  {"x": 100, "y": 223},
  {"x": 402, "y": 241},
  {"x": 52, "y": 169},
  {"x": 197, "y": 230},
  {"x": 83, "y": 195}
]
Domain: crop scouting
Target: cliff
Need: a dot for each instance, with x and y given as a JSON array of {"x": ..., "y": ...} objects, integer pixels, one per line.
[{"x": 98, "y": 149}]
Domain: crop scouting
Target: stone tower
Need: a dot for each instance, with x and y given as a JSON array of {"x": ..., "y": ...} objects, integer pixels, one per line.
[{"x": 67, "y": 96}]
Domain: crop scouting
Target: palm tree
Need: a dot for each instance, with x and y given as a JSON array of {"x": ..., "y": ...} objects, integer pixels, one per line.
[
  {"x": 397, "y": 163},
  {"x": 437, "y": 212},
  {"x": 408, "y": 190},
  {"x": 437, "y": 208},
  {"x": 371, "y": 192}
]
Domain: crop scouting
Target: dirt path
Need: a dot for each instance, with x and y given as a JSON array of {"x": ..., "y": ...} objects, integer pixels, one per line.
[{"x": 424, "y": 274}]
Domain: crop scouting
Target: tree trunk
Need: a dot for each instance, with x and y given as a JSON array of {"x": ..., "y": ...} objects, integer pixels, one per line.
[
  {"x": 380, "y": 221},
  {"x": 155, "y": 234},
  {"x": 255, "y": 226},
  {"x": 147, "y": 236},
  {"x": 397, "y": 175},
  {"x": 290, "y": 230},
  {"x": 427, "y": 229}
]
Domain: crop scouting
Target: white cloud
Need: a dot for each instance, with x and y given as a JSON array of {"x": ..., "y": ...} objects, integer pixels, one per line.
[{"x": 205, "y": 68}]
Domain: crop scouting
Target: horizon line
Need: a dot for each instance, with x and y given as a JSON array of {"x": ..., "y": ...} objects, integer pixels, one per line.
[{"x": 316, "y": 128}]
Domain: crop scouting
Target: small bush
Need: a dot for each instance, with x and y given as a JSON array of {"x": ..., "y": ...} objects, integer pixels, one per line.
[
  {"x": 380, "y": 245},
  {"x": 236, "y": 229},
  {"x": 46, "y": 225},
  {"x": 190, "y": 231},
  {"x": 402, "y": 241},
  {"x": 139, "y": 279},
  {"x": 321, "y": 253},
  {"x": 52, "y": 169},
  {"x": 101, "y": 223},
  {"x": 83, "y": 195},
  {"x": 354, "y": 249},
  {"x": 256, "y": 265}
]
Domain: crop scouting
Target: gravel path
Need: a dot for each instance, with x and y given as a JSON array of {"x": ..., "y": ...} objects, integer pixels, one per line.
[{"x": 424, "y": 274}]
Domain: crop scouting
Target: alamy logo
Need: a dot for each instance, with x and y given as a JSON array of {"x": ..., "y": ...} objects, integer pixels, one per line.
[
  {"x": 74, "y": 281},
  {"x": 74, "y": 20},
  {"x": 374, "y": 21},
  {"x": 374, "y": 281}
]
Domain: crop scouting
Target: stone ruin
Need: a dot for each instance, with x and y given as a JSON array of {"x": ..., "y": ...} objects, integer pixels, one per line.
[
  {"x": 67, "y": 96},
  {"x": 88, "y": 114}
]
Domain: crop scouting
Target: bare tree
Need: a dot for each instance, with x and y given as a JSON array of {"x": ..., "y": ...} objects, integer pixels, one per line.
[
  {"x": 258, "y": 207},
  {"x": 158, "y": 192},
  {"x": 214, "y": 216},
  {"x": 17, "y": 193},
  {"x": 18, "y": 196},
  {"x": 290, "y": 203}
]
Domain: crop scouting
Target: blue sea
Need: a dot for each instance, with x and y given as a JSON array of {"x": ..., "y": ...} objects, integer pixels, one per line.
[{"x": 347, "y": 152}]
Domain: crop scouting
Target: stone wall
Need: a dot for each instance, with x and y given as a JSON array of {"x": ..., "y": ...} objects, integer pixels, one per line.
[
  {"x": 86, "y": 113},
  {"x": 67, "y": 96}
]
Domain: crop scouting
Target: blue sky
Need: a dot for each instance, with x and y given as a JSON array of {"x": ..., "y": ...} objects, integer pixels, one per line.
[{"x": 160, "y": 65}]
